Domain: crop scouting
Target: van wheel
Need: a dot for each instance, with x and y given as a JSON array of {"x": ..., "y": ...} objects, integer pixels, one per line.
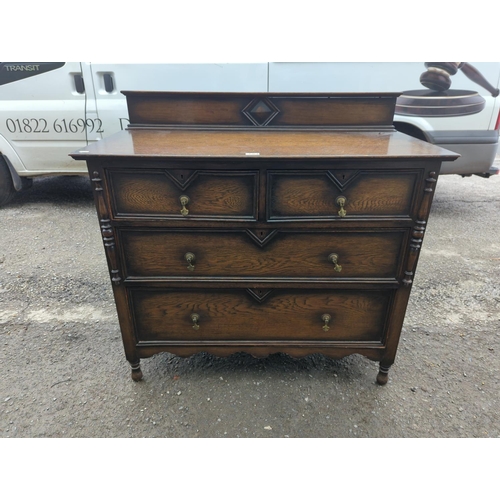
[{"x": 7, "y": 190}]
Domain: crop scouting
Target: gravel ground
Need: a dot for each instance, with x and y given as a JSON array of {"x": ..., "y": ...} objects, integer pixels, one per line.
[{"x": 65, "y": 373}]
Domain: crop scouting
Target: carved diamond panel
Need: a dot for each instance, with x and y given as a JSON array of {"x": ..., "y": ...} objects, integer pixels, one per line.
[{"x": 260, "y": 111}]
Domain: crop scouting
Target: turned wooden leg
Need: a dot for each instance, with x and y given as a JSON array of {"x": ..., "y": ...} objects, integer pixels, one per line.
[
  {"x": 383, "y": 374},
  {"x": 136, "y": 371}
]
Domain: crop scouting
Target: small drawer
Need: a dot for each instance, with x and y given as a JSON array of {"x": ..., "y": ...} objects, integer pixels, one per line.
[
  {"x": 348, "y": 194},
  {"x": 195, "y": 254},
  {"x": 184, "y": 194},
  {"x": 262, "y": 314}
]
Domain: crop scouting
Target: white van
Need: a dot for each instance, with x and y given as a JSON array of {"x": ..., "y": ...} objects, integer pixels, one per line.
[{"x": 48, "y": 110}]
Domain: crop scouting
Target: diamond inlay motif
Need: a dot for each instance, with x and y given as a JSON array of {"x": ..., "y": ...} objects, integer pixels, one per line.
[
  {"x": 342, "y": 178},
  {"x": 260, "y": 111},
  {"x": 258, "y": 294}
]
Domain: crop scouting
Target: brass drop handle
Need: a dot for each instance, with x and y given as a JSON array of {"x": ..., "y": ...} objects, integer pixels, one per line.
[
  {"x": 326, "y": 320},
  {"x": 184, "y": 201},
  {"x": 341, "y": 201},
  {"x": 195, "y": 318},
  {"x": 333, "y": 258},
  {"x": 190, "y": 258}
]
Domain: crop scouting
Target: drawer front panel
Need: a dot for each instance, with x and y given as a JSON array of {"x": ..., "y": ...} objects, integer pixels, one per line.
[
  {"x": 163, "y": 315},
  {"x": 313, "y": 195},
  {"x": 154, "y": 253},
  {"x": 210, "y": 194}
]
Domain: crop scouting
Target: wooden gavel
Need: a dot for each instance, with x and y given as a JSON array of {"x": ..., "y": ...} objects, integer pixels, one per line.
[{"x": 437, "y": 76}]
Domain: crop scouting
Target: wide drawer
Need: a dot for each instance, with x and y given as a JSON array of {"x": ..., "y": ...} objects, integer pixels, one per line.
[
  {"x": 290, "y": 254},
  {"x": 347, "y": 194},
  {"x": 250, "y": 314},
  {"x": 184, "y": 194}
]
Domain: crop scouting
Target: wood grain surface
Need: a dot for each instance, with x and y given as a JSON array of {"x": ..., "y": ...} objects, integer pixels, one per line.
[
  {"x": 288, "y": 254},
  {"x": 232, "y": 109},
  {"x": 293, "y": 315},
  {"x": 220, "y": 194},
  {"x": 304, "y": 194},
  {"x": 310, "y": 144}
]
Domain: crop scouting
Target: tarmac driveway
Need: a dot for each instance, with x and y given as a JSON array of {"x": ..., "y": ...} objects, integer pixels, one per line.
[{"x": 65, "y": 374}]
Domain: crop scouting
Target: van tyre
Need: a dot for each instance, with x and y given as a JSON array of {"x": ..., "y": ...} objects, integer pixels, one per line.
[{"x": 7, "y": 190}]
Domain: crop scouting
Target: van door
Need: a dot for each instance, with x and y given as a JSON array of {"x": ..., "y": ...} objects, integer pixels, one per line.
[{"x": 42, "y": 114}]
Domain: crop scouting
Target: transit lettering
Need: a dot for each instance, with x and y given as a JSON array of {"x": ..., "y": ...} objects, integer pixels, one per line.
[{"x": 22, "y": 67}]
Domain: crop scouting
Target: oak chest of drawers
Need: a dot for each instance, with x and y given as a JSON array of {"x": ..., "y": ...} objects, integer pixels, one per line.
[{"x": 262, "y": 223}]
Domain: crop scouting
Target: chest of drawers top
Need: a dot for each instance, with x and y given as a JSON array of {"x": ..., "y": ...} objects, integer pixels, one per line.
[{"x": 204, "y": 125}]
